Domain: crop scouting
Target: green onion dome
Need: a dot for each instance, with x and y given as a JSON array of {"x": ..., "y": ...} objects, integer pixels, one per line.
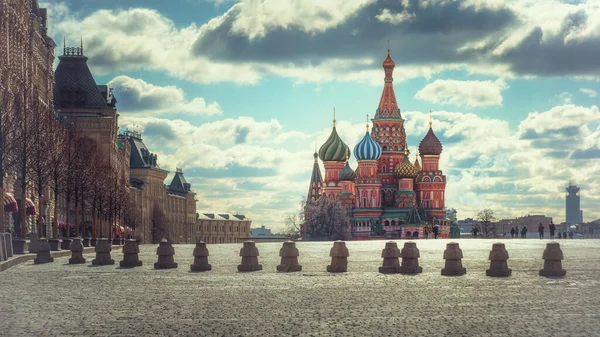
[
  {"x": 334, "y": 148},
  {"x": 405, "y": 169},
  {"x": 347, "y": 173}
]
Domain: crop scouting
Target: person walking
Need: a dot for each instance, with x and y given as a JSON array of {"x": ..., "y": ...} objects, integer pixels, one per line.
[
  {"x": 552, "y": 228},
  {"x": 541, "y": 230},
  {"x": 436, "y": 231},
  {"x": 512, "y": 232},
  {"x": 524, "y": 232},
  {"x": 426, "y": 232},
  {"x": 517, "y": 232}
]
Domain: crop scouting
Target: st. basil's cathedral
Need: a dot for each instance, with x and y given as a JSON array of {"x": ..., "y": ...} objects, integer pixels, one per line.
[{"x": 387, "y": 193}]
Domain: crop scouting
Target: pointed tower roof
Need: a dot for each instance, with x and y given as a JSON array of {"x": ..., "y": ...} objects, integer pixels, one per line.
[
  {"x": 347, "y": 173},
  {"x": 316, "y": 180},
  {"x": 417, "y": 164},
  {"x": 388, "y": 107},
  {"x": 179, "y": 184},
  {"x": 405, "y": 169},
  {"x": 75, "y": 86}
]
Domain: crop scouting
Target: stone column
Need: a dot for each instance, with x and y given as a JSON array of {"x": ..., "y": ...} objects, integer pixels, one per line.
[
  {"x": 390, "y": 255},
  {"x": 103, "y": 249},
  {"x": 76, "y": 252},
  {"x": 130, "y": 254},
  {"x": 410, "y": 259},
  {"x": 289, "y": 258},
  {"x": 249, "y": 254},
  {"x": 453, "y": 256},
  {"x": 200, "y": 257},
  {"x": 165, "y": 252},
  {"x": 339, "y": 258},
  {"x": 43, "y": 252},
  {"x": 498, "y": 261},
  {"x": 8, "y": 244},
  {"x": 553, "y": 256},
  {"x": 3, "y": 253}
]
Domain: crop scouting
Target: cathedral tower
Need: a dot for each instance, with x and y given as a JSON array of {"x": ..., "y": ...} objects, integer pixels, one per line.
[
  {"x": 333, "y": 154},
  {"x": 431, "y": 182}
]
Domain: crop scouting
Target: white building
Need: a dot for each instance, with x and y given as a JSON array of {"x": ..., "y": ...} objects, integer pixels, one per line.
[{"x": 260, "y": 232}]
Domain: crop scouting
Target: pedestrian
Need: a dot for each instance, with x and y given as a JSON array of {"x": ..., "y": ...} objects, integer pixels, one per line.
[
  {"x": 559, "y": 235},
  {"x": 564, "y": 235},
  {"x": 426, "y": 232},
  {"x": 474, "y": 230},
  {"x": 512, "y": 232},
  {"x": 436, "y": 231},
  {"x": 517, "y": 232},
  {"x": 552, "y": 228},
  {"x": 541, "y": 230},
  {"x": 524, "y": 232}
]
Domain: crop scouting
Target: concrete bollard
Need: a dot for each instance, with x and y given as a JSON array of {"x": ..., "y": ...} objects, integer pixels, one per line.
[
  {"x": 552, "y": 261},
  {"x": 54, "y": 244},
  {"x": 43, "y": 252},
  {"x": 103, "y": 249},
  {"x": 165, "y": 252},
  {"x": 453, "y": 255},
  {"x": 76, "y": 252},
  {"x": 93, "y": 242},
  {"x": 249, "y": 254},
  {"x": 339, "y": 258},
  {"x": 34, "y": 243},
  {"x": 200, "y": 258},
  {"x": 289, "y": 258},
  {"x": 390, "y": 255},
  {"x": 498, "y": 265},
  {"x": 410, "y": 259},
  {"x": 131, "y": 252},
  {"x": 116, "y": 241},
  {"x": 65, "y": 244},
  {"x": 86, "y": 242},
  {"x": 8, "y": 244}
]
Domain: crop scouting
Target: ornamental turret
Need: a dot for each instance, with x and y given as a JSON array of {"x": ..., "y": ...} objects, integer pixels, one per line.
[
  {"x": 430, "y": 149},
  {"x": 368, "y": 184},
  {"x": 347, "y": 177},
  {"x": 333, "y": 153}
]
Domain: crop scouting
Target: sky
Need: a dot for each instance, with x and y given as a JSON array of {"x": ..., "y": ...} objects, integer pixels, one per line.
[{"x": 239, "y": 93}]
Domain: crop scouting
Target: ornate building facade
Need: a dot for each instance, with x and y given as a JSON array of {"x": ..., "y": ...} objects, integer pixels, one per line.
[
  {"x": 26, "y": 75},
  {"x": 386, "y": 190}
]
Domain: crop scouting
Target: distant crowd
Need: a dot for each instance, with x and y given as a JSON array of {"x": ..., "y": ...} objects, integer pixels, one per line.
[{"x": 515, "y": 232}]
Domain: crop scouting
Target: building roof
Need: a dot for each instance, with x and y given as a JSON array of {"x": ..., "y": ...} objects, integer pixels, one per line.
[
  {"x": 367, "y": 149},
  {"x": 430, "y": 145},
  {"x": 405, "y": 169},
  {"x": 179, "y": 184},
  {"x": 75, "y": 86},
  {"x": 222, "y": 216},
  {"x": 347, "y": 173},
  {"x": 141, "y": 157}
]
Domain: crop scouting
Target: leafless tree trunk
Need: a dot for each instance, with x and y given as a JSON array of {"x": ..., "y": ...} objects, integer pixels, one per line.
[{"x": 486, "y": 218}]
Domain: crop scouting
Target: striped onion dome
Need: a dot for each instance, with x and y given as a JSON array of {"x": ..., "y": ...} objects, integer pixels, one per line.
[
  {"x": 430, "y": 145},
  {"x": 334, "y": 148},
  {"x": 367, "y": 149},
  {"x": 347, "y": 173},
  {"x": 405, "y": 169}
]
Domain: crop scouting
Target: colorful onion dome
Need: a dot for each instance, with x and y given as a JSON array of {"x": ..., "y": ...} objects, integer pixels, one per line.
[
  {"x": 405, "y": 169},
  {"x": 347, "y": 173},
  {"x": 430, "y": 145},
  {"x": 367, "y": 149},
  {"x": 334, "y": 148},
  {"x": 388, "y": 62}
]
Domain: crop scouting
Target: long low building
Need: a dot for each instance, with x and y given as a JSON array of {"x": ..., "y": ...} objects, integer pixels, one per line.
[{"x": 221, "y": 228}]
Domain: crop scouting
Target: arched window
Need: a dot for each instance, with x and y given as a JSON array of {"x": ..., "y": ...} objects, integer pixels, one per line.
[{"x": 387, "y": 222}]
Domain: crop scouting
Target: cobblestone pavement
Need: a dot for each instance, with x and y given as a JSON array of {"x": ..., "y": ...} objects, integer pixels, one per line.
[{"x": 58, "y": 299}]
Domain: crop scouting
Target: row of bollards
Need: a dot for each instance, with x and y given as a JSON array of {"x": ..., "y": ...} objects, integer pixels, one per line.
[{"x": 289, "y": 258}]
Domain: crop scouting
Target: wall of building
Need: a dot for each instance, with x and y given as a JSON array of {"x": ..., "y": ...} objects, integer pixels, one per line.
[{"x": 221, "y": 228}]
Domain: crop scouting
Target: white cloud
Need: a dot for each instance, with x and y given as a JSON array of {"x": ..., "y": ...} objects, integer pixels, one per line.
[
  {"x": 137, "y": 95},
  {"x": 394, "y": 18},
  {"x": 590, "y": 92},
  {"x": 463, "y": 93}
]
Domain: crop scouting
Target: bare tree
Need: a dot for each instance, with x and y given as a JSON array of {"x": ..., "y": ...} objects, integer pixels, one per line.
[
  {"x": 487, "y": 220},
  {"x": 325, "y": 217},
  {"x": 293, "y": 223},
  {"x": 57, "y": 150},
  {"x": 7, "y": 131},
  {"x": 40, "y": 171}
]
